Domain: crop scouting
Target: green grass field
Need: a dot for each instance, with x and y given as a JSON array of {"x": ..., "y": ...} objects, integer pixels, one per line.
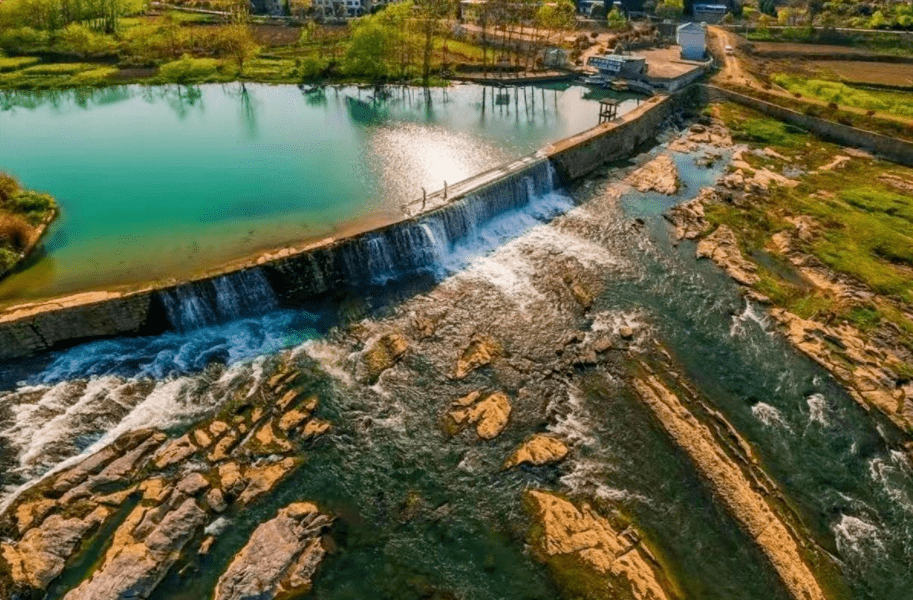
[{"x": 895, "y": 103}]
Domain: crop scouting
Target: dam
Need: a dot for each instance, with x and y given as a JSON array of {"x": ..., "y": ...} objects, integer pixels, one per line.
[{"x": 549, "y": 282}]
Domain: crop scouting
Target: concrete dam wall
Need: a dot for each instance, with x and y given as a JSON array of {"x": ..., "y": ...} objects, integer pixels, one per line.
[{"x": 424, "y": 245}]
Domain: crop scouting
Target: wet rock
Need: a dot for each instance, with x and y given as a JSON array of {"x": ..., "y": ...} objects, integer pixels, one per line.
[
  {"x": 292, "y": 419},
  {"x": 480, "y": 352},
  {"x": 382, "y": 354},
  {"x": 722, "y": 247},
  {"x": 733, "y": 487},
  {"x": 142, "y": 551},
  {"x": 488, "y": 413},
  {"x": 263, "y": 478},
  {"x": 314, "y": 428},
  {"x": 688, "y": 218},
  {"x": 868, "y": 370},
  {"x": 591, "y": 541},
  {"x": 232, "y": 481},
  {"x": 174, "y": 452},
  {"x": 223, "y": 447},
  {"x": 216, "y": 500},
  {"x": 40, "y": 555},
  {"x": 538, "y": 450},
  {"x": 32, "y": 513},
  {"x": 267, "y": 442},
  {"x": 154, "y": 489},
  {"x": 659, "y": 175},
  {"x": 279, "y": 559},
  {"x": 626, "y": 332}
]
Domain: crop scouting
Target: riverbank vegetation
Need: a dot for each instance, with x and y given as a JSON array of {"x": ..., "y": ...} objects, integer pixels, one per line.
[
  {"x": 896, "y": 103},
  {"x": 24, "y": 216},
  {"x": 46, "y": 43},
  {"x": 854, "y": 215}
]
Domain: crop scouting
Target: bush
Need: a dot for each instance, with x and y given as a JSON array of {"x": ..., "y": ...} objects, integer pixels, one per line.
[
  {"x": 15, "y": 232},
  {"x": 23, "y": 38},
  {"x": 312, "y": 67},
  {"x": 8, "y": 260},
  {"x": 79, "y": 39},
  {"x": 9, "y": 187},
  {"x": 191, "y": 70},
  {"x": 34, "y": 204}
]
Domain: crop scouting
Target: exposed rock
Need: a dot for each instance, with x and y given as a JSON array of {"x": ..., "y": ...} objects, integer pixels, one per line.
[
  {"x": 269, "y": 442},
  {"x": 904, "y": 186},
  {"x": 382, "y": 354},
  {"x": 231, "y": 479},
  {"x": 488, "y": 413},
  {"x": 279, "y": 559},
  {"x": 263, "y": 479},
  {"x": 202, "y": 438},
  {"x": 626, "y": 332},
  {"x": 732, "y": 486},
  {"x": 292, "y": 419},
  {"x": 154, "y": 489},
  {"x": 538, "y": 450},
  {"x": 722, "y": 248},
  {"x": 144, "y": 548},
  {"x": 32, "y": 513},
  {"x": 659, "y": 175},
  {"x": 216, "y": 500},
  {"x": 591, "y": 540},
  {"x": 867, "y": 370},
  {"x": 174, "y": 452},
  {"x": 315, "y": 427},
  {"x": 222, "y": 448},
  {"x": 41, "y": 554},
  {"x": 217, "y": 428},
  {"x": 836, "y": 163},
  {"x": 192, "y": 484},
  {"x": 480, "y": 352},
  {"x": 688, "y": 218}
]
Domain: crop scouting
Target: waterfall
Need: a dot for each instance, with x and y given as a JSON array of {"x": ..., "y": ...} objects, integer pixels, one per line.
[
  {"x": 205, "y": 303},
  {"x": 446, "y": 239}
]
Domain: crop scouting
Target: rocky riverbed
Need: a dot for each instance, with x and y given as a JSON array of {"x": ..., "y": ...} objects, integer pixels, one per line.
[{"x": 588, "y": 411}]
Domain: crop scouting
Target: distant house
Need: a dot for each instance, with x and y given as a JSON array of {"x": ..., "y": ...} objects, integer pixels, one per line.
[
  {"x": 710, "y": 13},
  {"x": 692, "y": 37},
  {"x": 616, "y": 65}
]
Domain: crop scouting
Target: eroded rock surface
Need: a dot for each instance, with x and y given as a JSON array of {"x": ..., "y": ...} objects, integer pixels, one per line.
[
  {"x": 590, "y": 539},
  {"x": 488, "y": 412},
  {"x": 279, "y": 559},
  {"x": 541, "y": 449},
  {"x": 731, "y": 485},
  {"x": 480, "y": 352},
  {"x": 659, "y": 175},
  {"x": 722, "y": 247},
  {"x": 382, "y": 354}
]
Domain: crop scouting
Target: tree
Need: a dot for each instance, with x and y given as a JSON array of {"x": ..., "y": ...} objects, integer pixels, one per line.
[
  {"x": 236, "y": 38},
  {"x": 616, "y": 19},
  {"x": 670, "y": 9},
  {"x": 430, "y": 15}
]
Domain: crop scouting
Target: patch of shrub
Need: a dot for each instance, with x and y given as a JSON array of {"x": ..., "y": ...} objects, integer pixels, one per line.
[
  {"x": 15, "y": 232},
  {"x": 34, "y": 204},
  {"x": 93, "y": 77},
  {"x": 8, "y": 260},
  {"x": 9, "y": 187},
  {"x": 79, "y": 39},
  {"x": 23, "y": 38},
  {"x": 191, "y": 70},
  {"x": 17, "y": 62}
]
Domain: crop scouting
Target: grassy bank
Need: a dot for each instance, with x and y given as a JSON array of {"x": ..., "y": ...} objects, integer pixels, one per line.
[
  {"x": 895, "y": 103},
  {"x": 24, "y": 216},
  {"x": 859, "y": 225}
]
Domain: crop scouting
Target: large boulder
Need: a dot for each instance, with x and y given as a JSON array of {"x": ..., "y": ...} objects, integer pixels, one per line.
[
  {"x": 279, "y": 559},
  {"x": 541, "y": 449}
]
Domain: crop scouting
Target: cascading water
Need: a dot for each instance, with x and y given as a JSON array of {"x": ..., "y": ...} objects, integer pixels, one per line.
[
  {"x": 447, "y": 239},
  {"x": 202, "y": 304}
]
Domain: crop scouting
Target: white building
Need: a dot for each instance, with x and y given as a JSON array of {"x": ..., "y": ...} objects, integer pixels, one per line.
[{"x": 692, "y": 37}]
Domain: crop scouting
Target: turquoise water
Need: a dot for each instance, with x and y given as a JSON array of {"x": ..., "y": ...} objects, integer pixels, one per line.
[{"x": 161, "y": 182}]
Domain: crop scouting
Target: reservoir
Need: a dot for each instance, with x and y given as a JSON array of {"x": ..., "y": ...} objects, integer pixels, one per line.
[{"x": 166, "y": 182}]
